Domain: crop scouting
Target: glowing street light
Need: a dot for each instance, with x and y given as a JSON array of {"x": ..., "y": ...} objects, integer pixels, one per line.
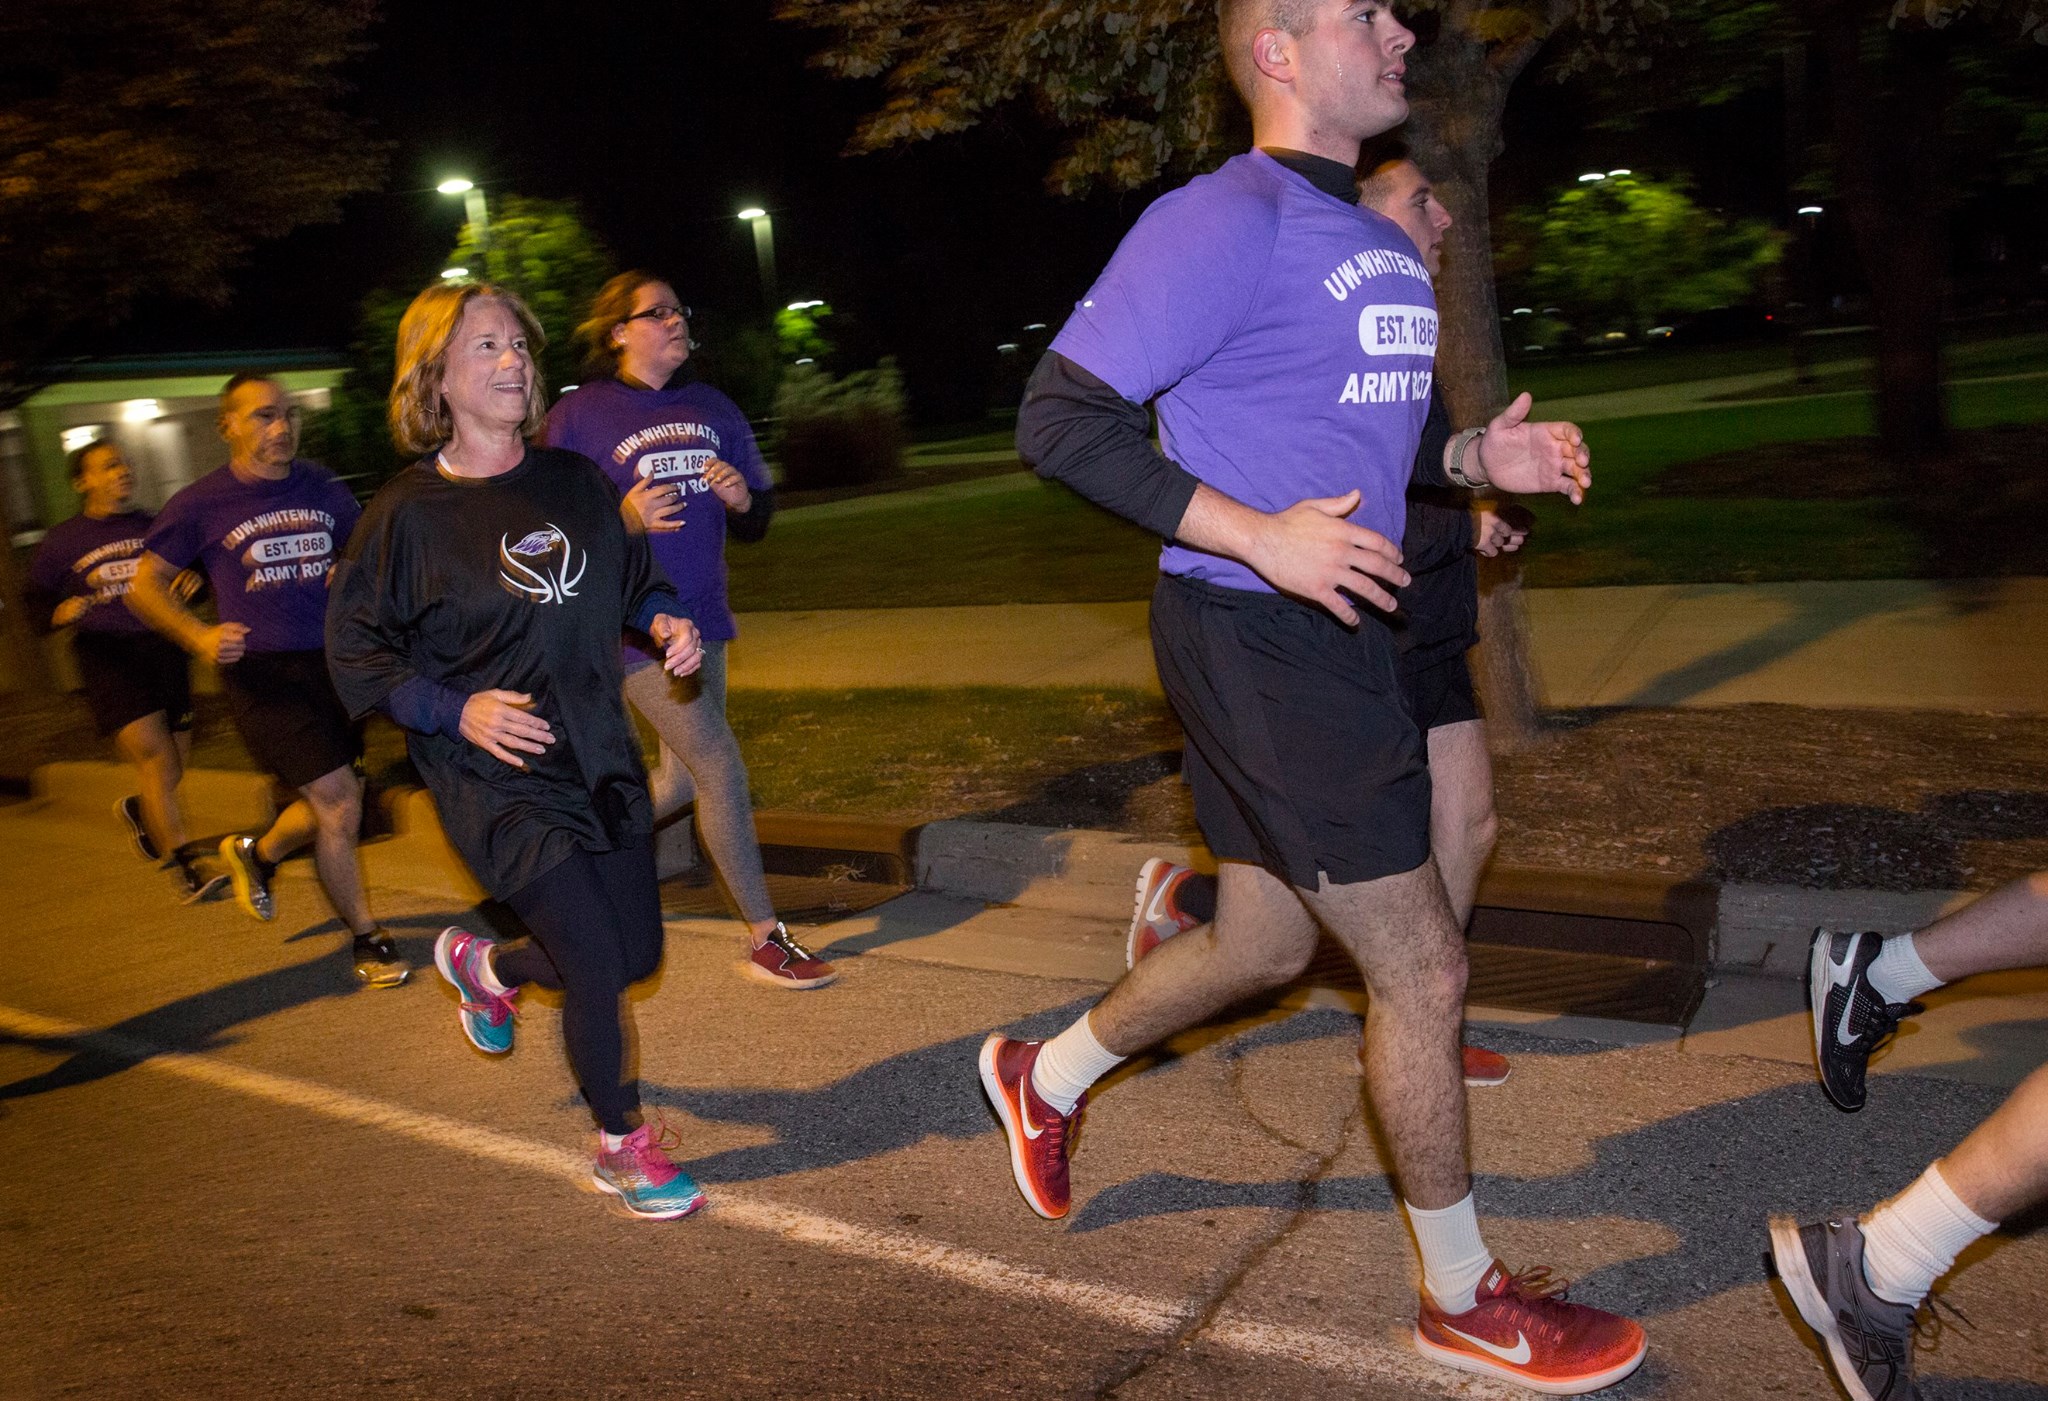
[
  {"x": 1590, "y": 176},
  {"x": 764, "y": 250},
  {"x": 474, "y": 207},
  {"x": 804, "y": 306},
  {"x": 1809, "y": 209},
  {"x": 454, "y": 274},
  {"x": 1623, "y": 171}
]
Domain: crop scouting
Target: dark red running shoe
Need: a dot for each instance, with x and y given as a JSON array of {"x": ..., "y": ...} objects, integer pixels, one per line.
[{"x": 1040, "y": 1136}]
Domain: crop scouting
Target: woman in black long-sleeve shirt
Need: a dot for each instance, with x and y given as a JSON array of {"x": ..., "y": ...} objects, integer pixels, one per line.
[{"x": 479, "y": 605}]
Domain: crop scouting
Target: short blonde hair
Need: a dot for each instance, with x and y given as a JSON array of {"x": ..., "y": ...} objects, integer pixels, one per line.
[{"x": 420, "y": 421}]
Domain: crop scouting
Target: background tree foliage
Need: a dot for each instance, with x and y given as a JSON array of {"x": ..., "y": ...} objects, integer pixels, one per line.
[
  {"x": 146, "y": 145},
  {"x": 1628, "y": 252}
]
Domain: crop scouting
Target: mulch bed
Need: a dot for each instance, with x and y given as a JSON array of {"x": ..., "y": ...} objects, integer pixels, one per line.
[
  {"x": 1832, "y": 799},
  {"x": 1977, "y": 507}
]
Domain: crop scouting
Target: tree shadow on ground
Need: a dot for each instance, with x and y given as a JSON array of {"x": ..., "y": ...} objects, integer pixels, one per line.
[
  {"x": 205, "y": 1021},
  {"x": 1854, "y": 846},
  {"x": 1097, "y": 796}
]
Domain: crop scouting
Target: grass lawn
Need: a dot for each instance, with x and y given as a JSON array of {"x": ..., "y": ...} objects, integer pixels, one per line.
[{"x": 1042, "y": 544}]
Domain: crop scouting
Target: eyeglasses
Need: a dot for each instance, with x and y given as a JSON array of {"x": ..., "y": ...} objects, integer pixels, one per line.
[{"x": 662, "y": 313}]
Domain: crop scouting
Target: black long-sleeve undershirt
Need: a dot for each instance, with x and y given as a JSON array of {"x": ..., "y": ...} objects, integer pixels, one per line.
[{"x": 751, "y": 525}]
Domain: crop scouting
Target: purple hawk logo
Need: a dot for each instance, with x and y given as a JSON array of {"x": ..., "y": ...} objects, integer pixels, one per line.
[{"x": 545, "y": 582}]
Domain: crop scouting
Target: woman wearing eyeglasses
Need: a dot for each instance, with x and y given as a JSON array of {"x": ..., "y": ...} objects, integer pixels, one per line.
[{"x": 685, "y": 460}]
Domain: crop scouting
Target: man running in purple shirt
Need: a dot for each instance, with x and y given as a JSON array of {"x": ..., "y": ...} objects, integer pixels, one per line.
[
  {"x": 1287, "y": 339},
  {"x": 266, "y": 529},
  {"x": 138, "y": 685}
]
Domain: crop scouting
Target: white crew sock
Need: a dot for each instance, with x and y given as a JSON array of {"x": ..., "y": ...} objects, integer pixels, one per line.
[
  {"x": 488, "y": 975},
  {"x": 1912, "y": 1240},
  {"x": 1068, "y": 1064},
  {"x": 1454, "y": 1258},
  {"x": 1897, "y": 972},
  {"x": 611, "y": 1142}
]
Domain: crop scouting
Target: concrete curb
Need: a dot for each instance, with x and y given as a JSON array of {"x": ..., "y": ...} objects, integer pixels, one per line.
[{"x": 1759, "y": 930}]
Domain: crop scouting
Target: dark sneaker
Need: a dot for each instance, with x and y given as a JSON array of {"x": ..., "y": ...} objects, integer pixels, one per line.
[
  {"x": 639, "y": 1173},
  {"x": 486, "y": 1016},
  {"x": 781, "y": 960},
  {"x": 195, "y": 883},
  {"x": 1851, "y": 1019},
  {"x": 251, "y": 875},
  {"x": 129, "y": 810},
  {"x": 1041, "y": 1138},
  {"x": 1869, "y": 1340},
  {"x": 1154, "y": 919},
  {"x": 377, "y": 960},
  {"x": 1522, "y": 1328}
]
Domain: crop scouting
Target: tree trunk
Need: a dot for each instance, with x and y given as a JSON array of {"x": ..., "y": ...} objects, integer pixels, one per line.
[
  {"x": 1458, "y": 88},
  {"x": 31, "y": 667},
  {"x": 1888, "y": 97}
]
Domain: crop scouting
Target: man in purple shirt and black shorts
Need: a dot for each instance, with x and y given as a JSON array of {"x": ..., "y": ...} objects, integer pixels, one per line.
[
  {"x": 266, "y": 529},
  {"x": 1286, "y": 338}
]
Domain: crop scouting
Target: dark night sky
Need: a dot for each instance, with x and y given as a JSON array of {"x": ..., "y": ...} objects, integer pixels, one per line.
[{"x": 662, "y": 120}]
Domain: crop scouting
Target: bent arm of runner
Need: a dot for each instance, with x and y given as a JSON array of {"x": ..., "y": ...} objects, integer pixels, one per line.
[
  {"x": 153, "y": 598},
  {"x": 1073, "y": 428}
]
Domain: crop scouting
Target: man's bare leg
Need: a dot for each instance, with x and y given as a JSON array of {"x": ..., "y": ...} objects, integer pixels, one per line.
[
  {"x": 336, "y": 801},
  {"x": 158, "y": 758},
  {"x": 1262, "y": 937},
  {"x": 2007, "y": 928},
  {"x": 295, "y": 825},
  {"x": 1399, "y": 929},
  {"x": 1462, "y": 824}
]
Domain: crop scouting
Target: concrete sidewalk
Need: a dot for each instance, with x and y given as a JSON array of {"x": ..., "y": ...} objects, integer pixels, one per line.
[{"x": 1972, "y": 646}]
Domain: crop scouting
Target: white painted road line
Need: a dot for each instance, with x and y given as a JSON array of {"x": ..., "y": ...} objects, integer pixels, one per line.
[{"x": 1355, "y": 1360}]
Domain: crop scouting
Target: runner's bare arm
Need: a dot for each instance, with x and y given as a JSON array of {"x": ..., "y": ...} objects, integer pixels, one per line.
[
  {"x": 151, "y": 598},
  {"x": 1525, "y": 458}
]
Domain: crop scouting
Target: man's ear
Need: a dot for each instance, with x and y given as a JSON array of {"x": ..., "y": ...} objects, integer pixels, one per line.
[{"x": 1273, "y": 54}]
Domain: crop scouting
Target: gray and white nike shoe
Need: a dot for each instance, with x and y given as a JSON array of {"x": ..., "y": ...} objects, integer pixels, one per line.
[
  {"x": 1869, "y": 1340},
  {"x": 1851, "y": 1019}
]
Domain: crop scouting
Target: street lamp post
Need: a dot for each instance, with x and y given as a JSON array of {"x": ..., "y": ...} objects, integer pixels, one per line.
[
  {"x": 474, "y": 207},
  {"x": 764, "y": 252}
]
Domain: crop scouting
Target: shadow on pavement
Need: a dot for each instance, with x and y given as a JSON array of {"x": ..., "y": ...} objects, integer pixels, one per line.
[
  {"x": 932, "y": 1091},
  {"x": 1828, "y": 846},
  {"x": 1811, "y": 619},
  {"x": 204, "y": 1020}
]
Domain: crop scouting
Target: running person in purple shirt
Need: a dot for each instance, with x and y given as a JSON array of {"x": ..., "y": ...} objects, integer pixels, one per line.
[
  {"x": 1286, "y": 338},
  {"x": 138, "y": 685},
  {"x": 683, "y": 457},
  {"x": 266, "y": 529}
]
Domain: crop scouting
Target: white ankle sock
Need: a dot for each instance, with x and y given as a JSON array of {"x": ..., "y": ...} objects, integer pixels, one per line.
[
  {"x": 1912, "y": 1240},
  {"x": 1068, "y": 1064},
  {"x": 611, "y": 1142},
  {"x": 1897, "y": 972},
  {"x": 488, "y": 975},
  {"x": 1454, "y": 1258}
]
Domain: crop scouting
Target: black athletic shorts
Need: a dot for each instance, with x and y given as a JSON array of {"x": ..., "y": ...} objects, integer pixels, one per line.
[
  {"x": 286, "y": 712},
  {"x": 1300, "y": 751},
  {"x": 1440, "y": 692},
  {"x": 129, "y": 675}
]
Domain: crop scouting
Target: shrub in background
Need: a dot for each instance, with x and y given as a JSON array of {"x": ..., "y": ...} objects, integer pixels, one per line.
[{"x": 839, "y": 431}]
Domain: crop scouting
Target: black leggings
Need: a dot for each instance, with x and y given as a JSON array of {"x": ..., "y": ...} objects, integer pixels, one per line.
[{"x": 596, "y": 926}]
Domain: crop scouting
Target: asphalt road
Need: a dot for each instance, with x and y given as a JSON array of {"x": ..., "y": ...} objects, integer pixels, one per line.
[{"x": 224, "y": 1171}]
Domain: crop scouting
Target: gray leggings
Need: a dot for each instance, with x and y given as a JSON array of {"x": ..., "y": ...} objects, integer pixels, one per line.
[{"x": 701, "y": 759}]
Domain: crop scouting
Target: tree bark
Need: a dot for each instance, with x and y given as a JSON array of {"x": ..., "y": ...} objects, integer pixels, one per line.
[
  {"x": 1888, "y": 97},
  {"x": 1458, "y": 90}
]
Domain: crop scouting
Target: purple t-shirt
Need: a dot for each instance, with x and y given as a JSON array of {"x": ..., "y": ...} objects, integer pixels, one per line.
[
  {"x": 265, "y": 547},
  {"x": 1288, "y": 337},
  {"x": 95, "y": 559},
  {"x": 668, "y": 434}
]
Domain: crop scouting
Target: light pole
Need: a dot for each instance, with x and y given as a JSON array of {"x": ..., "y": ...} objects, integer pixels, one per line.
[
  {"x": 474, "y": 207},
  {"x": 764, "y": 251}
]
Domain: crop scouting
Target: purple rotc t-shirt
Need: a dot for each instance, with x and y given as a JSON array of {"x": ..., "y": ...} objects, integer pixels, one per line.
[
  {"x": 95, "y": 559},
  {"x": 671, "y": 435},
  {"x": 265, "y": 546},
  {"x": 1288, "y": 337}
]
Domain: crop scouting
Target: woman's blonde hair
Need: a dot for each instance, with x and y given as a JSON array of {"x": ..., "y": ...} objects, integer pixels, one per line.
[
  {"x": 612, "y": 304},
  {"x": 420, "y": 421}
]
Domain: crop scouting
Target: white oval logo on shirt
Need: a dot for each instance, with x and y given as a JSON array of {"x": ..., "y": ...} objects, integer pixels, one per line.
[
  {"x": 276, "y": 549},
  {"x": 1397, "y": 329}
]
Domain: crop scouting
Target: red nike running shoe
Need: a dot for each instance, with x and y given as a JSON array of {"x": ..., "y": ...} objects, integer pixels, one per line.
[
  {"x": 1522, "y": 1329},
  {"x": 1040, "y": 1136}
]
